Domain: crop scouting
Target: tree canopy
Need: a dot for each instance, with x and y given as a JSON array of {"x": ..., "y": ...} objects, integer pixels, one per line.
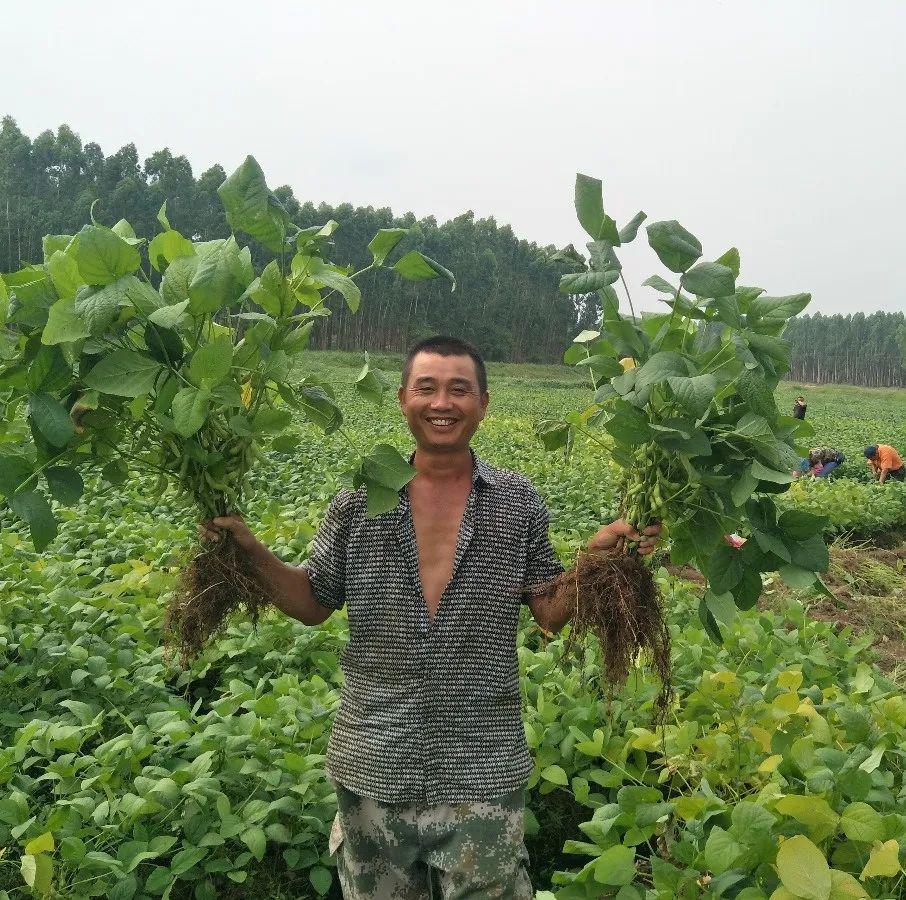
[{"x": 507, "y": 300}]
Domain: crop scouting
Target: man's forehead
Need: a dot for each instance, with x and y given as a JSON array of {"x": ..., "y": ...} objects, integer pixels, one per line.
[{"x": 433, "y": 365}]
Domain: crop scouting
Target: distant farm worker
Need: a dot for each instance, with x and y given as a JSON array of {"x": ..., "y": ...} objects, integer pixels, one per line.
[
  {"x": 823, "y": 460},
  {"x": 885, "y": 462},
  {"x": 428, "y": 752},
  {"x": 799, "y": 408}
]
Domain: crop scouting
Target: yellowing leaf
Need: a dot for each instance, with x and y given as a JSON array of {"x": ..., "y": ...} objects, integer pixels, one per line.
[
  {"x": 883, "y": 862},
  {"x": 40, "y": 844},
  {"x": 689, "y": 807},
  {"x": 627, "y": 362},
  {"x": 762, "y": 737},
  {"x": 803, "y": 869},
  {"x": 844, "y": 886},
  {"x": 814, "y": 812},
  {"x": 770, "y": 764},
  {"x": 790, "y": 680}
]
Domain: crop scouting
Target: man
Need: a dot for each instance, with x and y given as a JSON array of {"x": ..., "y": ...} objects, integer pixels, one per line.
[
  {"x": 428, "y": 752},
  {"x": 885, "y": 462},
  {"x": 799, "y": 408}
]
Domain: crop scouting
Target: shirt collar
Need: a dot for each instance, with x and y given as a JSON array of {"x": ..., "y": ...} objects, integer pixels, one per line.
[{"x": 481, "y": 471}]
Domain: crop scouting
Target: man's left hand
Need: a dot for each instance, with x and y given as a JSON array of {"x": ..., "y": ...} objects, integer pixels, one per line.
[{"x": 609, "y": 536}]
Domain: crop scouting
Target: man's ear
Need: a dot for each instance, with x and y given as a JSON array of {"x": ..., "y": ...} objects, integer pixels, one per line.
[{"x": 485, "y": 399}]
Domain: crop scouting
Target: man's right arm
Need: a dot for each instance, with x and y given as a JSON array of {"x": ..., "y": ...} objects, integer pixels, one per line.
[{"x": 291, "y": 586}]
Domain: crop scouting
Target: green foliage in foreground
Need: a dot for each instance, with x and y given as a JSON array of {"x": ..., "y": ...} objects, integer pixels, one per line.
[
  {"x": 690, "y": 408},
  {"x": 209, "y": 782},
  {"x": 177, "y": 356}
]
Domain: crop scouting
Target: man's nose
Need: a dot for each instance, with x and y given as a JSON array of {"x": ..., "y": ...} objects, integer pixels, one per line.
[{"x": 440, "y": 400}]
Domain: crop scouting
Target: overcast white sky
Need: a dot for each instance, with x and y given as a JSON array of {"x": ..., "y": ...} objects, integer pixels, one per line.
[{"x": 774, "y": 125}]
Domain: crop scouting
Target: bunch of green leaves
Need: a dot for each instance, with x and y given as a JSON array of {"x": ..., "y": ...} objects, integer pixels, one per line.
[
  {"x": 687, "y": 399},
  {"x": 176, "y": 356}
]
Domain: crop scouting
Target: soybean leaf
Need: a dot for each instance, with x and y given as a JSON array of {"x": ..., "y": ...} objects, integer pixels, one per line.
[
  {"x": 801, "y": 525},
  {"x": 103, "y": 256},
  {"x": 726, "y": 310},
  {"x": 331, "y": 278},
  {"x": 174, "y": 287},
  {"x": 709, "y": 623},
  {"x": 810, "y": 553},
  {"x": 13, "y": 472},
  {"x": 415, "y": 266},
  {"x": 164, "y": 344},
  {"x": 190, "y": 409},
  {"x": 64, "y": 324},
  {"x": 748, "y": 589},
  {"x": 709, "y": 279},
  {"x": 162, "y": 217},
  {"x": 65, "y": 484},
  {"x": 601, "y": 366},
  {"x": 64, "y": 273},
  {"x": 213, "y": 283},
  {"x": 169, "y": 316},
  {"x": 661, "y": 285},
  {"x": 587, "y": 282},
  {"x": 124, "y": 373},
  {"x": 33, "y": 509},
  {"x": 382, "y": 244},
  {"x": 615, "y": 866},
  {"x": 776, "y": 310},
  {"x": 693, "y": 393},
  {"x": 386, "y": 466},
  {"x": 51, "y": 419},
  {"x": 320, "y": 408},
  {"x": 763, "y": 473},
  {"x": 631, "y": 228},
  {"x": 321, "y": 879},
  {"x": 730, "y": 259},
  {"x": 724, "y": 568},
  {"x": 803, "y": 868},
  {"x": 167, "y": 246},
  {"x": 252, "y": 207},
  {"x": 629, "y": 425},
  {"x": 211, "y": 362},
  {"x": 589, "y": 204},
  {"x": 676, "y": 248}
]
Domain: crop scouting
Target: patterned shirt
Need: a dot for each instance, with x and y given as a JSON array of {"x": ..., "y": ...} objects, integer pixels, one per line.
[{"x": 431, "y": 710}]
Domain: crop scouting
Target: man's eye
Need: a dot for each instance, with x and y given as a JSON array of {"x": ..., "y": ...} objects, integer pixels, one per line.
[{"x": 459, "y": 391}]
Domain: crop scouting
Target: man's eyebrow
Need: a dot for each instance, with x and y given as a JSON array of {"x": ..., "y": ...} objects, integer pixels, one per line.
[{"x": 425, "y": 378}]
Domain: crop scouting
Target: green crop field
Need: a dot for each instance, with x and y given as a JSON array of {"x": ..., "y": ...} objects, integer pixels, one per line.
[{"x": 123, "y": 775}]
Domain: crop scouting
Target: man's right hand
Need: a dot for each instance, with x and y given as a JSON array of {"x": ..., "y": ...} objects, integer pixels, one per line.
[{"x": 234, "y": 523}]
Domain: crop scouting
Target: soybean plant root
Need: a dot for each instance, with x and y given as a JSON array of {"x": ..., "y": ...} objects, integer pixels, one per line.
[
  {"x": 219, "y": 579},
  {"x": 614, "y": 597}
]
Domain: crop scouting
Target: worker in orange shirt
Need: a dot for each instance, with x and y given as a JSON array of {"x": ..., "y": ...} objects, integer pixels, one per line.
[{"x": 885, "y": 462}]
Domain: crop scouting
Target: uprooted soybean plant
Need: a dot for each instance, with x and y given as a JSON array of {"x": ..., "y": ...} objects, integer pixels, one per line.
[
  {"x": 687, "y": 399},
  {"x": 174, "y": 356}
]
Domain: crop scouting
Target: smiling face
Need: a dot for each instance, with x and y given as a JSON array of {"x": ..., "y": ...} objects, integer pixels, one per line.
[{"x": 442, "y": 402}]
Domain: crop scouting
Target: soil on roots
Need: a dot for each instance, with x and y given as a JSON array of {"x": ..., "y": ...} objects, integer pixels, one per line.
[
  {"x": 614, "y": 597},
  {"x": 219, "y": 579}
]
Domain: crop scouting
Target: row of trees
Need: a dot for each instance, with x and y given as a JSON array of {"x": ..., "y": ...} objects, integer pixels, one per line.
[
  {"x": 852, "y": 349},
  {"x": 507, "y": 301}
]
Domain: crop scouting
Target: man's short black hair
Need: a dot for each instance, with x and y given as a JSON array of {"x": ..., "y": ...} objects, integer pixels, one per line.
[{"x": 444, "y": 345}]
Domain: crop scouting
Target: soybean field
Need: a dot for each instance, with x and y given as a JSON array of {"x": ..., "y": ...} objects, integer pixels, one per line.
[{"x": 779, "y": 772}]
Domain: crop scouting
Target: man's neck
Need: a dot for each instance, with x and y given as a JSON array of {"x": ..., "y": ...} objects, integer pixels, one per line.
[{"x": 445, "y": 466}]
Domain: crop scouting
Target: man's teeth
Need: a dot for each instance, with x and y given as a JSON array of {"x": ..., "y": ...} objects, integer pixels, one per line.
[{"x": 441, "y": 421}]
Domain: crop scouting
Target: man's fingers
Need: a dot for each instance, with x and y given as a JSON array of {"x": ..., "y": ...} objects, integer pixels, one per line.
[{"x": 653, "y": 530}]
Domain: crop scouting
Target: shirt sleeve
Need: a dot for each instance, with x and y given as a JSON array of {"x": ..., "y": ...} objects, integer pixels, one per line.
[
  {"x": 326, "y": 564},
  {"x": 542, "y": 563}
]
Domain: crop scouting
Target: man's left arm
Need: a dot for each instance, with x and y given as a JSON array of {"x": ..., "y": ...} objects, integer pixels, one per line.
[{"x": 551, "y": 614}]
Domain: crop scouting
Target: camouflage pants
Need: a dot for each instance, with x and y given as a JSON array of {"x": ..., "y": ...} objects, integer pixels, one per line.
[{"x": 416, "y": 851}]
